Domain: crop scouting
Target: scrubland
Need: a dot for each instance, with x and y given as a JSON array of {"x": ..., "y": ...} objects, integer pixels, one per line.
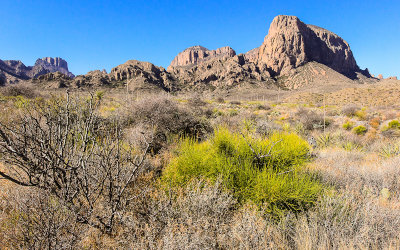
[{"x": 115, "y": 170}]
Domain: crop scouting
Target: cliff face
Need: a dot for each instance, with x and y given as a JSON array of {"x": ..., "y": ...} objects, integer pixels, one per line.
[
  {"x": 49, "y": 65},
  {"x": 290, "y": 43}
]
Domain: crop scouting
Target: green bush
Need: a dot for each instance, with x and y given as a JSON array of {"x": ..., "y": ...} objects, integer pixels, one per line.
[
  {"x": 394, "y": 124},
  {"x": 360, "y": 130},
  {"x": 348, "y": 125},
  {"x": 264, "y": 171}
]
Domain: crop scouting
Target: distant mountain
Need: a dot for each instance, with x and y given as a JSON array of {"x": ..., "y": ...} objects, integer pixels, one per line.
[{"x": 13, "y": 71}]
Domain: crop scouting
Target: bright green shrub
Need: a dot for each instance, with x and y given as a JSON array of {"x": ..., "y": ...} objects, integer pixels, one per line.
[
  {"x": 394, "y": 124},
  {"x": 348, "y": 125},
  {"x": 264, "y": 171},
  {"x": 360, "y": 130}
]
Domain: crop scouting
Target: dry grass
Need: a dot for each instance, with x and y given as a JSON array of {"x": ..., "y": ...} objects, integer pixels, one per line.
[{"x": 361, "y": 210}]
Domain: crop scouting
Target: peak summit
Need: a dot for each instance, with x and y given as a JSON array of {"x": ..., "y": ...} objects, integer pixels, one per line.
[{"x": 290, "y": 43}]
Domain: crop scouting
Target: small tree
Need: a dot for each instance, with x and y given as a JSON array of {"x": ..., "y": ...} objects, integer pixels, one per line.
[{"x": 65, "y": 147}]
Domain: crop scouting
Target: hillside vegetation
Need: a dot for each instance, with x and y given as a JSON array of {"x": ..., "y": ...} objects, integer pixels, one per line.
[{"x": 112, "y": 169}]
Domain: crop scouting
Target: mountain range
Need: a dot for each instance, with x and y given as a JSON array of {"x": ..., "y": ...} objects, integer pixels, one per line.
[{"x": 293, "y": 54}]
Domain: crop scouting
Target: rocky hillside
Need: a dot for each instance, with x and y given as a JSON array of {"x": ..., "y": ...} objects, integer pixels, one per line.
[{"x": 13, "y": 71}]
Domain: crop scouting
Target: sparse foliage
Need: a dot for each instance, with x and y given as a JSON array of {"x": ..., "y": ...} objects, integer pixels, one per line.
[{"x": 64, "y": 146}]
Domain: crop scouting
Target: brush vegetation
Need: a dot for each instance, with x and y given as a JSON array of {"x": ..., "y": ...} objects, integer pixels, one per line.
[{"x": 266, "y": 171}]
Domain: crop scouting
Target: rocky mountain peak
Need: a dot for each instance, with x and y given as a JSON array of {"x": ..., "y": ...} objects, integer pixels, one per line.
[
  {"x": 290, "y": 43},
  {"x": 50, "y": 64}
]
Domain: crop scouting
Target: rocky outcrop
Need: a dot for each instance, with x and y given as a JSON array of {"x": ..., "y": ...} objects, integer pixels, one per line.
[
  {"x": 252, "y": 55},
  {"x": 197, "y": 54},
  {"x": 219, "y": 72},
  {"x": 92, "y": 78},
  {"x": 138, "y": 74},
  {"x": 52, "y": 80},
  {"x": 13, "y": 71},
  {"x": 290, "y": 43}
]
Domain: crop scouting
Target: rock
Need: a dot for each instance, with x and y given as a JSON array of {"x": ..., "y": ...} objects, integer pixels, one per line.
[
  {"x": 290, "y": 43},
  {"x": 196, "y": 54},
  {"x": 380, "y": 77},
  {"x": 92, "y": 78},
  {"x": 252, "y": 55},
  {"x": 219, "y": 72},
  {"x": 53, "y": 80},
  {"x": 392, "y": 78},
  {"x": 142, "y": 73}
]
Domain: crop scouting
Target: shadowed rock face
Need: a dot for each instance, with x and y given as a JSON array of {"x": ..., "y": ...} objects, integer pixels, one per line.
[
  {"x": 196, "y": 54},
  {"x": 48, "y": 65},
  {"x": 290, "y": 43},
  {"x": 13, "y": 71}
]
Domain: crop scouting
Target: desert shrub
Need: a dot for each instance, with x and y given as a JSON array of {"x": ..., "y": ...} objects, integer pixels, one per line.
[
  {"x": 236, "y": 102},
  {"x": 19, "y": 90},
  {"x": 263, "y": 107},
  {"x": 394, "y": 124},
  {"x": 220, "y": 100},
  {"x": 233, "y": 112},
  {"x": 360, "y": 130},
  {"x": 165, "y": 117},
  {"x": 311, "y": 119},
  {"x": 264, "y": 171},
  {"x": 375, "y": 122},
  {"x": 196, "y": 102},
  {"x": 361, "y": 114},
  {"x": 267, "y": 128},
  {"x": 348, "y": 125},
  {"x": 63, "y": 146},
  {"x": 37, "y": 220},
  {"x": 350, "y": 110}
]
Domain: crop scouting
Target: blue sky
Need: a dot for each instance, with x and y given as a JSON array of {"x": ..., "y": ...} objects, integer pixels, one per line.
[{"x": 103, "y": 34}]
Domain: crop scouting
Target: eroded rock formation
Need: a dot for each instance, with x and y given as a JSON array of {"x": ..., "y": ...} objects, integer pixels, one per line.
[
  {"x": 196, "y": 54},
  {"x": 290, "y": 43}
]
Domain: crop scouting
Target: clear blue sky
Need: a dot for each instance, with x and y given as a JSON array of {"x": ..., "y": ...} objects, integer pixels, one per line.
[{"x": 103, "y": 34}]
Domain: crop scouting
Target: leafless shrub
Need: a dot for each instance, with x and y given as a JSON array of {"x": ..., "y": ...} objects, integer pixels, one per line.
[
  {"x": 347, "y": 222},
  {"x": 196, "y": 101},
  {"x": 235, "y": 102},
  {"x": 19, "y": 90},
  {"x": 220, "y": 100},
  {"x": 267, "y": 128},
  {"x": 311, "y": 119},
  {"x": 64, "y": 146},
  {"x": 164, "y": 117},
  {"x": 38, "y": 220},
  {"x": 350, "y": 110}
]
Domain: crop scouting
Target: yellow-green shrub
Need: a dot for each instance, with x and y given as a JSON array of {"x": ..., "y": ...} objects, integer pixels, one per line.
[
  {"x": 360, "y": 130},
  {"x": 264, "y": 171},
  {"x": 348, "y": 125}
]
